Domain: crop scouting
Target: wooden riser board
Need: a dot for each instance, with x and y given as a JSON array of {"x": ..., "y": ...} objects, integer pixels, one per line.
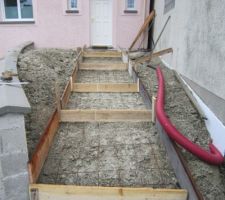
[
  {"x": 42, "y": 149},
  {"x": 93, "y": 115},
  {"x": 103, "y": 66},
  {"x": 105, "y": 87},
  {"x": 68, "y": 192},
  {"x": 100, "y": 54}
]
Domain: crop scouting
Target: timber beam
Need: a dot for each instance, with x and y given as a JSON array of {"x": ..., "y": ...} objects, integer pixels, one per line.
[
  {"x": 106, "y": 115},
  {"x": 105, "y": 87},
  {"x": 69, "y": 192},
  {"x": 102, "y": 54}
]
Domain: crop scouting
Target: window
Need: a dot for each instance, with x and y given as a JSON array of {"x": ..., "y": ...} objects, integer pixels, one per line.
[
  {"x": 130, "y": 5},
  {"x": 169, "y": 5},
  {"x": 72, "y": 4},
  {"x": 19, "y": 10}
]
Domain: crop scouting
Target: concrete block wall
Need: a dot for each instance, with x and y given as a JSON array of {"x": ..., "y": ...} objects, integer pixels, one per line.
[{"x": 14, "y": 178}]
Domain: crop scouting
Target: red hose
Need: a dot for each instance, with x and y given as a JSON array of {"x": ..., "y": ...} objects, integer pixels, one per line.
[{"x": 214, "y": 157}]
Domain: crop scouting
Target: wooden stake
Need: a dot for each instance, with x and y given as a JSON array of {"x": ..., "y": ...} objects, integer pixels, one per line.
[
  {"x": 153, "y": 109},
  {"x": 71, "y": 83},
  {"x": 57, "y": 97},
  {"x": 138, "y": 83}
]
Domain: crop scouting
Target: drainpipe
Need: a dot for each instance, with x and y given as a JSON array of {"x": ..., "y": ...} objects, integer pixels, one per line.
[{"x": 213, "y": 157}]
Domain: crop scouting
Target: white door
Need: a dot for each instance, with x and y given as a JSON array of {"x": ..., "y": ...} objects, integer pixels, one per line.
[{"x": 101, "y": 22}]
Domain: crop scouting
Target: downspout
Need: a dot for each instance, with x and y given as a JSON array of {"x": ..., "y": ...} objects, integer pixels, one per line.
[{"x": 213, "y": 157}]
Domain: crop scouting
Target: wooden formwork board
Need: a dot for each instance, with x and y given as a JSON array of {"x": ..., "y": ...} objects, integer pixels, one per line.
[
  {"x": 102, "y": 54},
  {"x": 115, "y": 115},
  {"x": 41, "y": 152},
  {"x": 68, "y": 192},
  {"x": 74, "y": 74},
  {"x": 66, "y": 95},
  {"x": 105, "y": 87},
  {"x": 104, "y": 66}
]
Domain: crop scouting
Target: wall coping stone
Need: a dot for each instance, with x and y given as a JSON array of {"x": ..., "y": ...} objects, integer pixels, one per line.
[{"x": 13, "y": 98}]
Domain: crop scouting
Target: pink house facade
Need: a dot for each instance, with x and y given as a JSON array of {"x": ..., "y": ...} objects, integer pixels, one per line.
[{"x": 72, "y": 23}]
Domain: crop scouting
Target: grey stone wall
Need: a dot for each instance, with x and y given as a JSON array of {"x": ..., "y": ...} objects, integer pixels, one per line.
[{"x": 14, "y": 178}]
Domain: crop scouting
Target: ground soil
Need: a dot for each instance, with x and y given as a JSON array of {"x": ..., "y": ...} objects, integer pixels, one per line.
[
  {"x": 108, "y": 154},
  {"x": 44, "y": 69},
  {"x": 210, "y": 179}
]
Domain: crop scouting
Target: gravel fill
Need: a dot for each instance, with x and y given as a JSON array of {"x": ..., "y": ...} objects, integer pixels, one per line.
[
  {"x": 44, "y": 69},
  {"x": 108, "y": 154},
  {"x": 210, "y": 179},
  {"x": 91, "y": 76}
]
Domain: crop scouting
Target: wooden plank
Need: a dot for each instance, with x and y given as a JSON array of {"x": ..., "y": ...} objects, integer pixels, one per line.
[
  {"x": 105, "y": 115},
  {"x": 38, "y": 158},
  {"x": 162, "y": 52},
  {"x": 105, "y": 87},
  {"x": 66, "y": 95},
  {"x": 69, "y": 192},
  {"x": 102, "y": 54},
  {"x": 179, "y": 170},
  {"x": 143, "y": 28},
  {"x": 153, "y": 55},
  {"x": 103, "y": 66},
  {"x": 77, "y": 115},
  {"x": 74, "y": 73}
]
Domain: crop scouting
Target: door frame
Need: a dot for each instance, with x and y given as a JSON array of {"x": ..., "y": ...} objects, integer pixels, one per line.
[{"x": 114, "y": 14}]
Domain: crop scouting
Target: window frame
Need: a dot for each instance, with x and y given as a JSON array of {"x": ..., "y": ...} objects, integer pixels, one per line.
[
  {"x": 19, "y": 19},
  {"x": 131, "y": 9},
  {"x": 69, "y": 6}
]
